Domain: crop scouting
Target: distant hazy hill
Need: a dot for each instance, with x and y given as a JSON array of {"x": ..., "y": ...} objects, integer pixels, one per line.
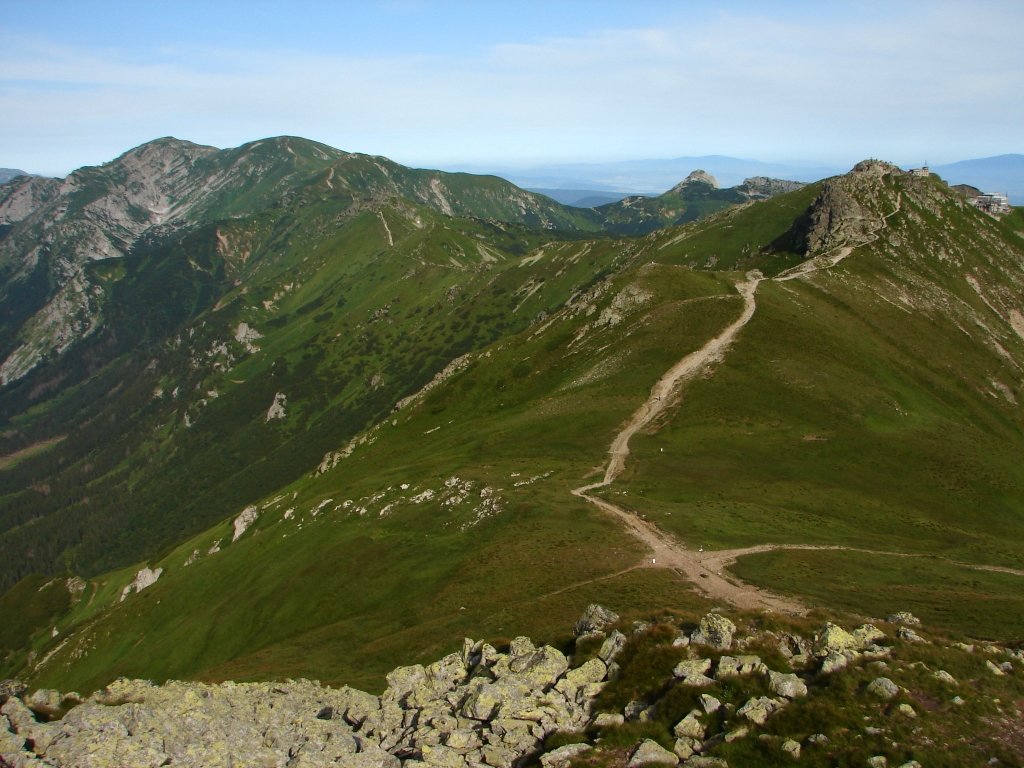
[
  {"x": 6, "y": 174},
  {"x": 580, "y": 198},
  {"x": 653, "y": 176},
  {"x": 1002, "y": 173}
]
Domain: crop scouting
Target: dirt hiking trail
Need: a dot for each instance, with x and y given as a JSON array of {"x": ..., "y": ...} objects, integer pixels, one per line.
[{"x": 707, "y": 570}]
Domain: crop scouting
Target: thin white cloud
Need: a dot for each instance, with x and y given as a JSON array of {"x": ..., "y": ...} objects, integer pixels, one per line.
[{"x": 733, "y": 84}]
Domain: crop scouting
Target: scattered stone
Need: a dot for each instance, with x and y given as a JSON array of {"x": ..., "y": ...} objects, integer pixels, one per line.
[
  {"x": 650, "y": 752},
  {"x": 878, "y": 761},
  {"x": 709, "y": 703},
  {"x": 715, "y": 631},
  {"x": 787, "y": 685},
  {"x": 903, "y": 617},
  {"x": 834, "y": 662},
  {"x": 911, "y": 764},
  {"x": 703, "y": 761},
  {"x": 731, "y": 666},
  {"x": 608, "y": 720},
  {"x": 689, "y": 726},
  {"x": 832, "y": 639},
  {"x": 757, "y": 709},
  {"x": 634, "y": 709},
  {"x": 612, "y": 645},
  {"x": 686, "y": 746},
  {"x": 596, "y": 618},
  {"x": 958, "y": 701},
  {"x": 883, "y": 688},
  {"x": 692, "y": 672},
  {"x": 819, "y": 739},
  {"x": 944, "y": 676},
  {"x": 736, "y": 733},
  {"x": 561, "y": 757},
  {"x": 867, "y": 634},
  {"x": 907, "y": 710},
  {"x": 681, "y": 640},
  {"x": 791, "y": 748},
  {"x": 11, "y": 689},
  {"x": 906, "y": 633},
  {"x": 45, "y": 699},
  {"x": 995, "y": 670}
]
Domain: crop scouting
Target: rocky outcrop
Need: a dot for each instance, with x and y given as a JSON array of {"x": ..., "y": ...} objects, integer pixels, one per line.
[
  {"x": 146, "y": 577},
  {"x": 696, "y": 177},
  {"x": 760, "y": 187},
  {"x": 844, "y": 212},
  {"x": 480, "y": 708},
  {"x": 476, "y": 707}
]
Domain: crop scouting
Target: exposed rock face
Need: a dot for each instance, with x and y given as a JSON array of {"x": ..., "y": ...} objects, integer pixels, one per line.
[
  {"x": 595, "y": 619},
  {"x": 700, "y": 177},
  {"x": 836, "y": 217},
  {"x": 144, "y": 578},
  {"x": 241, "y": 523},
  {"x": 763, "y": 186}
]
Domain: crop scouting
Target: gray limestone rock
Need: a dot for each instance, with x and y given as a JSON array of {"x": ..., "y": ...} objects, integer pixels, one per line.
[
  {"x": 704, "y": 761},
  {"x": 832, "y": 639},
  {"x": 651, "y": 753},
  {"x": 690, "y": 727},
  {"x": 903, "y": 617},
  {"x": 906, "y": 633},
  {"x": 791, "y": 748},
  {"x": 692, "y": 668},
  {"x": 715, "y": 631},
  {"x": 709, "y": 703},
  {"x": 758, "y": 709},
  {"x": 787, "y": 685},
  {"x": 609, "y": 719},
  {"x": 833, "y": 662},
  {"x": 596, "y": 618},
  {"x": 883, "y": 688},
  {"x": 612, "y": 645},
  {"x": 732, "y": 666},
  {"x": 560, "y": 758}
]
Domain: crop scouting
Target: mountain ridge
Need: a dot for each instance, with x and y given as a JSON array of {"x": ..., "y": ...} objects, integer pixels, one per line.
[{"x": 884, "y": 334}]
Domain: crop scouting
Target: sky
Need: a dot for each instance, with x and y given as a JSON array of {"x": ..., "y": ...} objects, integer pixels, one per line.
[{"x": 441, "y": 84}]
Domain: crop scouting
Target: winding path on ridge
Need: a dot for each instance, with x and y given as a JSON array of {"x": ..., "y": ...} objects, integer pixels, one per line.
[{"x": 707, "y": 569}]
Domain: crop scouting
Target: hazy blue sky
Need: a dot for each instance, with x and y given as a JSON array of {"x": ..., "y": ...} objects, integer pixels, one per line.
[{"x": 437, "y": 83}]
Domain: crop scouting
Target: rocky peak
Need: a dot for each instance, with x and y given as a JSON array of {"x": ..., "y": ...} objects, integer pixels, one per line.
[
  {"x": 848, "y": 209},
  {"x": 696, "y": 177},
  {"x": 764, "y": 186},
  {"x": 875, "y": 167}
]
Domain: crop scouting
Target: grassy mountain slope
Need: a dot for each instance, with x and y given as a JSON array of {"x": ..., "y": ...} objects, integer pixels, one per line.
[
  {"x": 694, "y": 198},
  {"x": 872, "y": 403}
]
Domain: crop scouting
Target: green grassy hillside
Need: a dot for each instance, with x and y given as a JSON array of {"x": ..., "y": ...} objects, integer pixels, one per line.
[{"x": 871, "y": 403}]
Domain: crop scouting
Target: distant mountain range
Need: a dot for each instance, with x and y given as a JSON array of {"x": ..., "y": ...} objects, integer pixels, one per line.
[
  {"x": 582, "y": 184},
  {"x": 6, "y": 174},
  {"x": 1002, "y": 173}
]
